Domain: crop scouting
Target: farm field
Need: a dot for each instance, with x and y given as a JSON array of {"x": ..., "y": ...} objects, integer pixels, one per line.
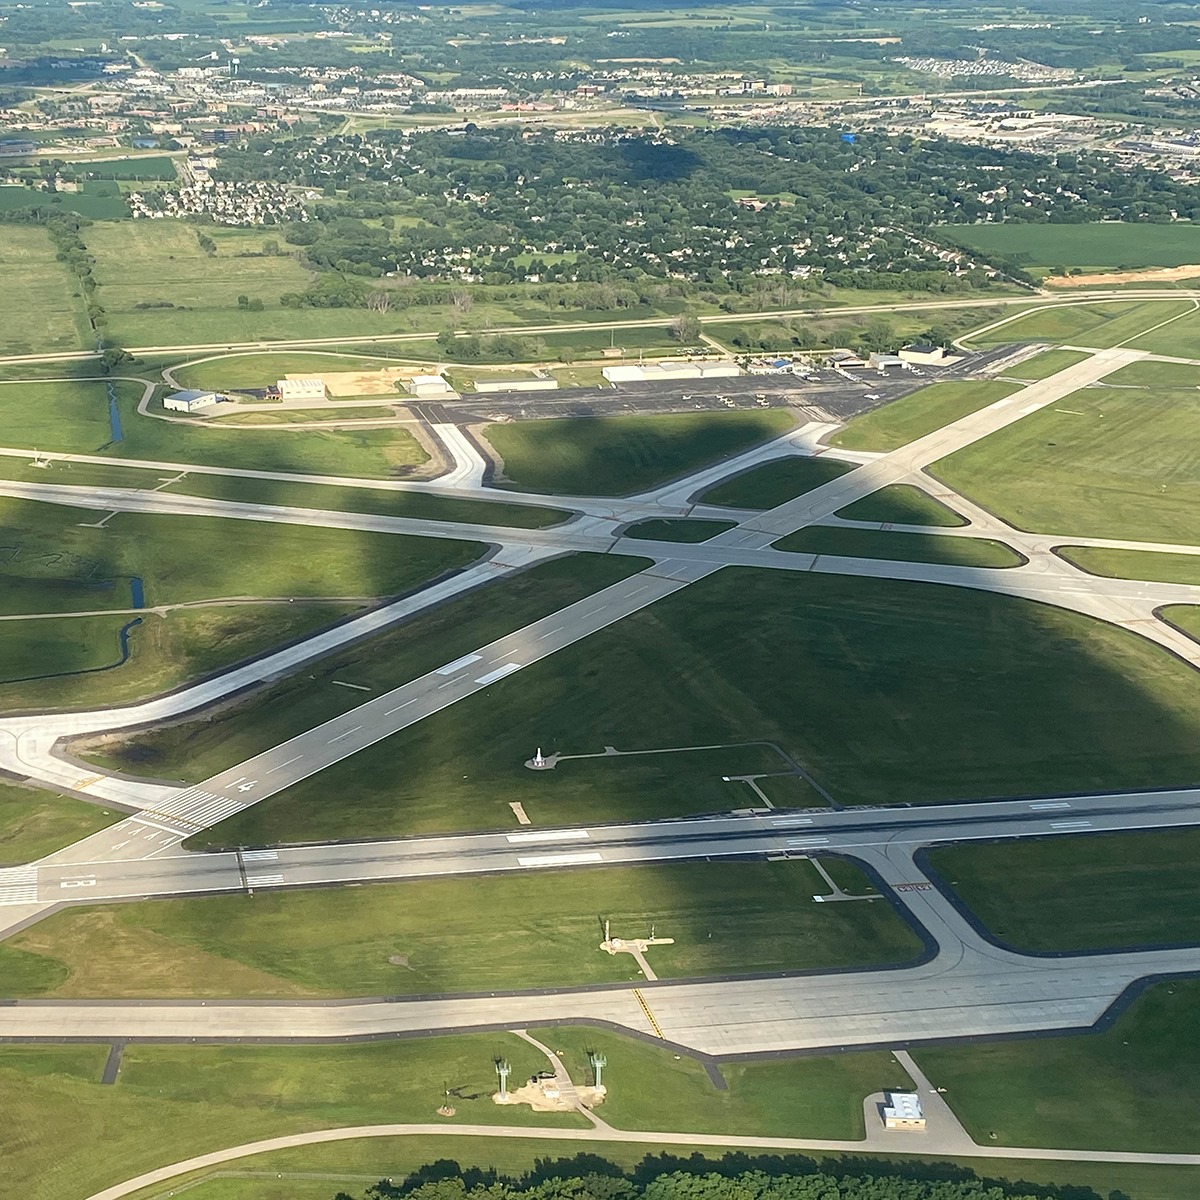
[
  {"x": 1116, "y": 1090},
  {"x": 40, "y": 308},
  {"x": 902, "y": 547},
  {"x": 776, "y": 482},
  {"x": 617, "y": 456},
  {"x": 33, "y": 822},
  {"x": 921, "y": 412},
  {"x": 433, "y": 936},
  {"x": 1112, "y": 463},
  {"x": 1107, "y": 245},
  {"x": 1047, "y": 701},
  {"x": 74, "y": 418},
  {"x": 1126, "y": 890},
  {"x": 193, "y": 750}
]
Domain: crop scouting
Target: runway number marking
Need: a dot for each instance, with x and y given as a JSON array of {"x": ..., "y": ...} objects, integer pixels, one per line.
[{"x": 923, "y": 886}]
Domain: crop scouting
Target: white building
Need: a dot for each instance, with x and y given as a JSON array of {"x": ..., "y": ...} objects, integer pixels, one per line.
[
  {"x": 881, "y": 362},
  {"x": 903, "y": 1111},
  {"x": 927, "y": 355},
  {"x": 301, "y": 389},
  {"x": 661, "y": 372},
  {"x": 430, "y": 387},
  {"x": 190, "y": 401}
]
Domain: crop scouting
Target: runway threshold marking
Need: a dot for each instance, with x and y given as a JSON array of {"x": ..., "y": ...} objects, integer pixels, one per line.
[
  {"x": 649, "y": 1015},
  {"x": 1071, "y": 825},
  {"x": 18, "y": 885},
  {"x": 1047, "y": 805},
  {"x": 262, "y": 880},
  {"x": 550, "y": 835},
  {"x": 559, "y": 860}
]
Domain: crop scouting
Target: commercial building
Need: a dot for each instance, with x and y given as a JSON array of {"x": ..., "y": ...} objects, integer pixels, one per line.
[
  {"x": 301, "y": 389},
  {"x": 881, "y": 362},
  {"x": 770, "y": 366},
  {"x": 903, "y": 1111},
  {"x": 190, "y": 401},
  {"x": 926, "y": 355},
  {"x": 663, "y": 372}
]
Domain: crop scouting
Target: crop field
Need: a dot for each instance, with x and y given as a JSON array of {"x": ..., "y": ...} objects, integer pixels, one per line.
[
  {"x": 99, "y": 199},
  {"x": 1116, "y": 1090},
  {"x": 823, "y": 666},
  {"x": 425, "y": 937},
  {"x": 1112, "y": 463},
  {"x": 74, "y": 418},
  {"x": 615, "y": 456},
  {"x": 40, "y": 309},
  {"x": 134, "y": 168},
  {"x": 918, "y": 413},
  {"x": 1126, "y": 890},
  {"x": 1108, "y": 245}
]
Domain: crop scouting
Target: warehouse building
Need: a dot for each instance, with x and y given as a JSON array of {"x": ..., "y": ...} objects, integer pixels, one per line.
[
  {"x": 190, "y": 401},
  {"x": 431, "y": 387},
  {"x": 301, "y": 389},
  {"x": 662, "y": 372}
]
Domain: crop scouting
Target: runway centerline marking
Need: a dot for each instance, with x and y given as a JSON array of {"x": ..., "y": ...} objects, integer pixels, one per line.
[
  {"x": 398, "y": 707},
  {"x": 281, "y": 765},
  {"x": 338, "y": 738}
]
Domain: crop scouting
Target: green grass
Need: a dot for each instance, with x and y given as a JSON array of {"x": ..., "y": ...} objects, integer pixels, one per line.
[
  {"x": 40, "y": 309},
  {"x": 1119, "y": 1090},
  {"x": 232, "y": 372},
  {"x": 1046, "y": 701},
  {"x": 306, "y": 416},
  {"x": 1098, "y": 324},
  {"x": 74, "y": 418},
  {"x": 1146, "y": 374},
  {"x": 667, "y": 530},
  {"x": 899, "y": 547},
  {"x": 615, "y": 456},
  {"x": 164, "y": 651},
  {"x": 201, "y": 747},
  {"x": 34, "y": 822},
  {"x": 652, "y": 1088},
  {"x": 921, "y": 412},
  {"x": 1083, "y": 892},
  {"x": 1134, "y": 564},
  {"x": 185, "y": 558},
  {"x": 99, "y": 199},
  {"x": 902, "y": 504},
  {"x": 1048, "y": 363},
  {"x": 1099, "y": 463},
  {"x": 418, "y": 505},
  {"x": 776, "y": 482},
  {"x": 461, "y": 934},
  {"x": 69, "y": 1135},
  {"x": 1096, "y": 246},
  {"x": 1181, "y": 338}
]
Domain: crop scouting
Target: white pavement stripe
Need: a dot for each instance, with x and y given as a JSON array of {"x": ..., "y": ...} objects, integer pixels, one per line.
[
  {"x": 499, "y": 673},
  {"x": 812, "y": 841},
  {"x": 263, "y": 880},
  {"x": 18, "y": 885},
  {"x": 280, "y": 766},
  {"x": 156, "y": 825},
  {"x": 339, "y": 737},
  {"x": 1046, "y": 805},
  {"x": 458, "y": 664},
  {"x": 260, "y": 855},
  {"x": 398, "y": 707},
  {"x": 791, "y": 821},
  {"x": 550, "y": 835},
  {"x": 560, "y": 860},
  {"x": 184, "y": 802},
  {"x": 1071, "y": 825}
]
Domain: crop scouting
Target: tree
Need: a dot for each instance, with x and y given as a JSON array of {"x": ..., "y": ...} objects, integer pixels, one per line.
[{"x": 685, "y": 330}]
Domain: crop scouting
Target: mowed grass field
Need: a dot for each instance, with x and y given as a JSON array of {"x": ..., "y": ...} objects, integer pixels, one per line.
[
  {"x": 69, "y": 1135},
  {"x": 849, "y": 677},
  {"x": 615, "y": 456},
  {"x": 1048, "y": 363},
  {"x": 1117, "y": 1090},
  {"x": 1102, "y": 463},
  {"x": 902, "y": 504},
  {"x": 73, "y": 418},
  {"x": 1081, "y": 892},
  {"x": 33, "y": 822},
  {"x": 40, "y": 309},
  {"x": 193, "y": 750},
  {"x": 478, "y": 934},
  {"x": 899, "y": 547},
  {"x": 1134, "y": 564},
  {"x": 650, "y": 1087},
  {"x": 918, "y": 413},
  {"x": 776, "y": 482},
  {"x": 1107, "y": 245},
  {"x": 1100, "y": 324}
]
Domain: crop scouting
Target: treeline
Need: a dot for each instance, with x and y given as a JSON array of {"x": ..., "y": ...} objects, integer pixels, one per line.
[{"x": 736, "y": 1177}]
